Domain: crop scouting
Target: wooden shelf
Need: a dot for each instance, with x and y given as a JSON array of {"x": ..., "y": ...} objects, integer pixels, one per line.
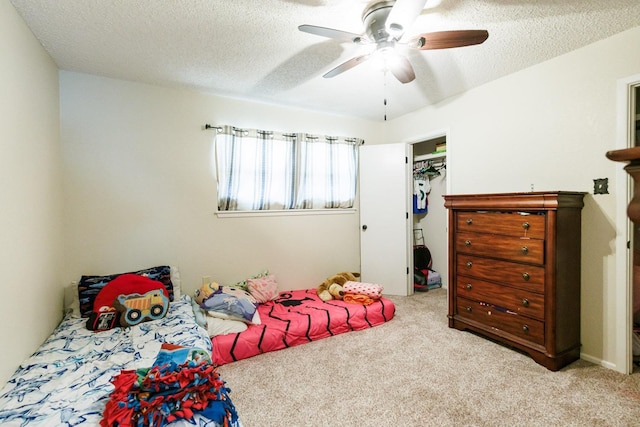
[
  {"x": 430, "y": 156},
  {"x": 632, "y": 157},
  {"x": 624, "y": 155}
]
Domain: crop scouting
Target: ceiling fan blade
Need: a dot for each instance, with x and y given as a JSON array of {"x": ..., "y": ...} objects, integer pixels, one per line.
[
  {"x": 402, "y": 15},
  {"x": 332, "y": 33},
  {"x": 449, "y": 39},
  {"x": 401, "y": 68},
  {"x": 346, "y": 66}
]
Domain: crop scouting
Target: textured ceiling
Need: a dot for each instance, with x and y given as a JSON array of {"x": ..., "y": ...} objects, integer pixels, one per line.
[{"x": 253, "y": 50}]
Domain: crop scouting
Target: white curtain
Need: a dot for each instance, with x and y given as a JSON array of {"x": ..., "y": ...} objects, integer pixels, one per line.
[{"x": 264, "y": 170}]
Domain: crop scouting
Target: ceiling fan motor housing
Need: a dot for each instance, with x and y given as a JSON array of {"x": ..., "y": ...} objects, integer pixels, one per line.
[{"x": 375, "y": 20}]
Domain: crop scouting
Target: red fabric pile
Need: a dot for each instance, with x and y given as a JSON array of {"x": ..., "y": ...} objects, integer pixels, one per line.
[{"x": 162, "y": 394}]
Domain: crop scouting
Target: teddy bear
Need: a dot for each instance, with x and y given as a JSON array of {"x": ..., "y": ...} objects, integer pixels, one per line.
[{"x": 340, "y": 279}]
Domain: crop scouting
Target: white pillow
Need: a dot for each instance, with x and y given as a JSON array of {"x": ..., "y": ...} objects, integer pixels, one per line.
[
  {"x": 218, "y": 326},
  {"x": 71, "y": 300},
  {"x": 175, "y": 279},
  {"x": 255, "y": 320}
]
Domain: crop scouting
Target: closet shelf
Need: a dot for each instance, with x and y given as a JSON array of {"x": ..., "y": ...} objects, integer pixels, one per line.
[{"x": 430, "y": 156}]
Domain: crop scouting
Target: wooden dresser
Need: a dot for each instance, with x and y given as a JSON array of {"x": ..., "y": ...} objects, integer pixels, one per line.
[{"x": 514, "y": 271}]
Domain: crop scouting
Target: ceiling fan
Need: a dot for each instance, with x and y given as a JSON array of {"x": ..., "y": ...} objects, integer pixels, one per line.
[{"x": 385, "y": 25}]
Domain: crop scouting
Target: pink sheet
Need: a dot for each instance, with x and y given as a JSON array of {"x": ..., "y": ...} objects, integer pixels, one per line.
[{"x": 298, "y": 317}]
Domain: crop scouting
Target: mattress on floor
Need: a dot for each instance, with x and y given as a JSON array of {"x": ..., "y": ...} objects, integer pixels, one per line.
[{"x": 298, "y": 317}]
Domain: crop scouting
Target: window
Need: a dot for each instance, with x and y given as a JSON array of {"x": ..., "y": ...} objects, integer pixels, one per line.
[{"x": 261, "y": 170}]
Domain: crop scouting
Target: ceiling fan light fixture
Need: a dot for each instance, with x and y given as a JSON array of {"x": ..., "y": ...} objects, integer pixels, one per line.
[
  {"x": 384, "y": 58},
  {"x": 395, "y": 31}
]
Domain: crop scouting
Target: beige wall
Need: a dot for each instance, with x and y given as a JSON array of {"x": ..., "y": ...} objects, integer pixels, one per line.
[
  {"x": 31, "y": 196},
  {"x": 550, "y": 126},
  {"x": 141, "y": 188}
]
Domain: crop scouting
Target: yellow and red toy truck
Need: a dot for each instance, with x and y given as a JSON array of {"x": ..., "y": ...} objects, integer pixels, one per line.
[{"x": 136, "y": 308}]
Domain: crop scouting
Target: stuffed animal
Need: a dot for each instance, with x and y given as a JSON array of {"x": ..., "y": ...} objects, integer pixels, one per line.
[
  {"x": 341, "y": 278},
  {"x": 205, "y": 291},
  {"x": 336, "y": 291},
  {"x": 323, "y": 293},
  {"x": 349, "y": 276}
]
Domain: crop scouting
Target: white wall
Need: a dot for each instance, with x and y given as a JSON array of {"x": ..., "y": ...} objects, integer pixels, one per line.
[
  {"x": 550, "y": 126},
  {"x": 141, "y": 192},
  {"x": 30, "y": 198}
]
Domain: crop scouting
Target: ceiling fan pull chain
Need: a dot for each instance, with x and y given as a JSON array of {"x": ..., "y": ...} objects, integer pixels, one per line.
[
  {"x": 385, "y": 109},
  {"x": 384, "y": 92}
]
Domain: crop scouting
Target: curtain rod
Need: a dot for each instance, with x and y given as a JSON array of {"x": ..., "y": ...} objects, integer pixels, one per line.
[{"x": 207, "y": 126}]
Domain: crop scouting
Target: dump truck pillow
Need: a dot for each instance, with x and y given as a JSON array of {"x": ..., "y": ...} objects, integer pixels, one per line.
[
  {"x": 105, "y": 315},
  {"x": 137, "y": 308}
]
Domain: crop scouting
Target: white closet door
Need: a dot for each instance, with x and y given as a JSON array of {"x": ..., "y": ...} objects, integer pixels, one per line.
[{"x": 384, "y": 226}]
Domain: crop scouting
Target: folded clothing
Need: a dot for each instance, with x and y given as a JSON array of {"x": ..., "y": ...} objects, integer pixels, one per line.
[
  {"x": 371, "y": 290},
  {"x": 358, "y": 299}
]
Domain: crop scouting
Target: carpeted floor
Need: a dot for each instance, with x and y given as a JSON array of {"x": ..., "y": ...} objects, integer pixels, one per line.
[{"x": 416, "y": 371}]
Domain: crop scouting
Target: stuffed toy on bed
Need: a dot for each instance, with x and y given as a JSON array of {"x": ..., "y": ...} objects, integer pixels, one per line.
[
  {"x": 205, "y": 291},
  {"x": 324, "y": 289}
]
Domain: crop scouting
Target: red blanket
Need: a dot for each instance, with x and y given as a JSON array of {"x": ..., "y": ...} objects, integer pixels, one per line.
[
  {"x": 181, "y": 383},
  {"x": 298, "y": 317}
]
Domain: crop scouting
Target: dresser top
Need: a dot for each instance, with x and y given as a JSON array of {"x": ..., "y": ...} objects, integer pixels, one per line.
[{"x": 535, "y": 200}]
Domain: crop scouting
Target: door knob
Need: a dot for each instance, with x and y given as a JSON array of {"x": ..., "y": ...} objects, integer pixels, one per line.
[{"x": 364, "y": 227}]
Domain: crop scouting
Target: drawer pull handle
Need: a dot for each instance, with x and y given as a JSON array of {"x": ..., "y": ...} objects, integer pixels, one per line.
[
  {"x": 469, "y": 221},
  {"x": 525, "y": 225},
  {"x": 467, "y": 242},
  {"x": 469, "y": 264},
  {"x": 526, "y": 277},
  {"x": 468, "y": 309},
  {"x": 525, "y": 302},
  {"x": 524, "y": 250},
  {"x": 525, "y": 329},
  {"x": 469, "y": 287}
]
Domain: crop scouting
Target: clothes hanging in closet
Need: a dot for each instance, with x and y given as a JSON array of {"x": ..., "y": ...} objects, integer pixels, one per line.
[
  {"x": 421, "y": 189},
  {"x": 423, "y": 172}
]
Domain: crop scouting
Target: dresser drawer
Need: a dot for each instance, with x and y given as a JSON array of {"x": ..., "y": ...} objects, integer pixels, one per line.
[
  {"x": 528, "y": 277},
  {"x": 516, "y": 300},
  {"x": 505, "y": 247},
  {"x": 495, "y": 317},
  {"x": 508, "y": 224}
]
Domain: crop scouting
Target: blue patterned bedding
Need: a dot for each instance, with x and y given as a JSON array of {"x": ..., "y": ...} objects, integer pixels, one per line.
[{"x": 67, "y": 381}]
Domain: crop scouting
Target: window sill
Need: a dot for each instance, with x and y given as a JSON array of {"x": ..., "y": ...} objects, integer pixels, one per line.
[{"x": 287, "y": 212}]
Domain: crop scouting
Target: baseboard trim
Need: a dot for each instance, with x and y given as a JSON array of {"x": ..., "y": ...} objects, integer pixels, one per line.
[{"x": 600, "y": 362}]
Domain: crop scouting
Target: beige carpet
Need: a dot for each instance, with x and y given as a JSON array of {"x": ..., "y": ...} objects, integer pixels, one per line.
[{"x": 416, "y": 371}]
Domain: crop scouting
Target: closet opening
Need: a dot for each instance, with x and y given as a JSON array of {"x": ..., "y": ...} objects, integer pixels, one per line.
[{"x": 429, "y": 216}]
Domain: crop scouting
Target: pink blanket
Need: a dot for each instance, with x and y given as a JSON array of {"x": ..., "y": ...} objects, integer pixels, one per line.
[{"x": 298, "y": 317}]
